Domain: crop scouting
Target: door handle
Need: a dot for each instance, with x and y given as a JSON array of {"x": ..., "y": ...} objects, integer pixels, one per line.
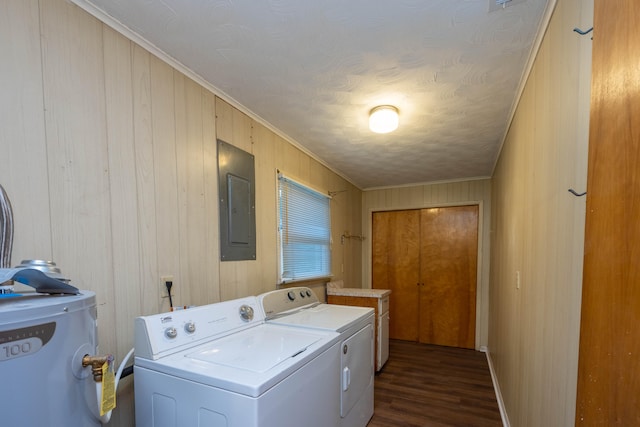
[{"x": 346, "y": 378}]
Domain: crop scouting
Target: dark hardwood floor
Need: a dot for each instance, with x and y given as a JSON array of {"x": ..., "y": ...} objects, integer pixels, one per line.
[{"x": 426, "y": 385}]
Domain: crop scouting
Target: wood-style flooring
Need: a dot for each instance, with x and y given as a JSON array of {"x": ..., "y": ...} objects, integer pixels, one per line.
[{"x": 431, "y": 386}]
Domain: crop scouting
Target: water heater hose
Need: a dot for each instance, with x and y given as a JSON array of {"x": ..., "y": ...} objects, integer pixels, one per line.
[{"x": 104, "y": 419}]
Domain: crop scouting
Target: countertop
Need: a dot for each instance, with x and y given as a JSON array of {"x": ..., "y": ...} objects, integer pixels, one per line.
[{"x": 358, "y": 292}]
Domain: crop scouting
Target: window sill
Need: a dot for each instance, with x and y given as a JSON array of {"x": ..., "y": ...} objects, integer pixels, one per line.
[{"x": 305, "y": 282}]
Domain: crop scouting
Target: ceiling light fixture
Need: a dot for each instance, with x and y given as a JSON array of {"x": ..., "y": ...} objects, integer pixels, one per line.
[{"x": 383, "y": 119}]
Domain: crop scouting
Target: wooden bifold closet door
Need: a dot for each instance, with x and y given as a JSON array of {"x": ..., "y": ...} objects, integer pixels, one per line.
[{"x": 428, "y": 258}]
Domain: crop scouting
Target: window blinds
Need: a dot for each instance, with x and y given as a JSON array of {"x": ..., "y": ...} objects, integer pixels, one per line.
[{"x": 305, "y": 231}]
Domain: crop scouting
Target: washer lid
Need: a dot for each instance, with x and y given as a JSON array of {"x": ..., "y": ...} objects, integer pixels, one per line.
[
  {"x": 255, "y": 350},
  {"x": 328, "y": 317},
  {"x": 250, "y": 361}
]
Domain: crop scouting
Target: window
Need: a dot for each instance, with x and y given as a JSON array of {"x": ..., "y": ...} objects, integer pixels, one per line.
[{"x": 304, "y": 228}]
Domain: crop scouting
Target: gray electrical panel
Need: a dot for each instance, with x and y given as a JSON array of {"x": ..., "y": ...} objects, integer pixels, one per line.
[{"x": 236, "y": 181}]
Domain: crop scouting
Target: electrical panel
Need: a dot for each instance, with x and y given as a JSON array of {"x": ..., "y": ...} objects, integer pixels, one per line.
[{"x": 236, "y": 180}]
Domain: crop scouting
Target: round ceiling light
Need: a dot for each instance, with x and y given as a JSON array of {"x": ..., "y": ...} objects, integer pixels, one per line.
[{"x": 383, "y": 119}]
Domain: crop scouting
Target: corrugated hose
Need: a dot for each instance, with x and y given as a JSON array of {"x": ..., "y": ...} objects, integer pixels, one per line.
[{"x": 6, "y": 229}]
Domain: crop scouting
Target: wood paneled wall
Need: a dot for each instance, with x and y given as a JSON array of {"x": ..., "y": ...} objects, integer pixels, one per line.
[
  {"x": 432, "y": 195},
  {"x": 537, "y": 229},
  {"x": 109, "y": 159}
]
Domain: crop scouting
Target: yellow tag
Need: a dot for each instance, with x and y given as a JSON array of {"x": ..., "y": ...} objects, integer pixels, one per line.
[{"x": 108, "y": 401}]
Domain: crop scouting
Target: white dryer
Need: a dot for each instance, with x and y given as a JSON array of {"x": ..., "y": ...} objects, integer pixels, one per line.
[
  {"x": 300, "y": 308},
  {"x": 221, "y": 365}
]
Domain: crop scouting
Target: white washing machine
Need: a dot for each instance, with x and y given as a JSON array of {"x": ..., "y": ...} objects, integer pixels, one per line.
[
  {"x": 300, "y": 308},
  {"x": 222, "y": 365}
]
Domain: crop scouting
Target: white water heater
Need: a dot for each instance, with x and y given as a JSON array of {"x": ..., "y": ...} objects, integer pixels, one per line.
[{"x": 42, "y": 341}]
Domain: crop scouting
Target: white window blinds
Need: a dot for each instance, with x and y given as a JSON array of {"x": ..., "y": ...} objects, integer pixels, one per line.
[{"x": 304, "y": 231}]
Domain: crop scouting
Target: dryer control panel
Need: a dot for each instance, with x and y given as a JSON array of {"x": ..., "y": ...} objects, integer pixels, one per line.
[{"x": 285, "y": 301}]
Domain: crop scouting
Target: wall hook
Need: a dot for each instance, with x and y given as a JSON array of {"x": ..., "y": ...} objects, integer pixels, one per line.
[
  {"x": 572, "y": 191},
  {"x": 582, "y": 33}
]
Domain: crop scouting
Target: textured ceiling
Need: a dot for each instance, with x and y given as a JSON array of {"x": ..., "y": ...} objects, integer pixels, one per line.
[{"x": 314, "y": 69}]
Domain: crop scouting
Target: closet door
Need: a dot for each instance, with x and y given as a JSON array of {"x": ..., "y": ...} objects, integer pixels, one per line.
[
  {"x": 428, "y": 258},
  {"x": 448, "y": 271},
  {"x": 396, "y": 266}
]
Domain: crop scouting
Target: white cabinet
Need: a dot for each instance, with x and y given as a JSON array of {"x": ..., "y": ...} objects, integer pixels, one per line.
[{"x": 382, "y": 355}]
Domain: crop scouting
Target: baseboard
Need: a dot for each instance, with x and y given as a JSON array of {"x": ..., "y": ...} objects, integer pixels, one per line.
[{"x": 496, "y": 387}]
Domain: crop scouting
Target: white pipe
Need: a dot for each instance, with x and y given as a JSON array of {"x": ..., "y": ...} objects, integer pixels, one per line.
[{"x": 104, "y": 419}]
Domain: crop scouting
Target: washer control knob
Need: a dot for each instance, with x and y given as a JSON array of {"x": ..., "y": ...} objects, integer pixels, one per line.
[
  {"x": 291, "y": 295},
  {"x": 246, "y": 312},
  {"x": 190, "y": 327},
  {"x": 308, "y": 293},
  {"x": 171, "y": 332},
  {"x": 302, "y": 294}
]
